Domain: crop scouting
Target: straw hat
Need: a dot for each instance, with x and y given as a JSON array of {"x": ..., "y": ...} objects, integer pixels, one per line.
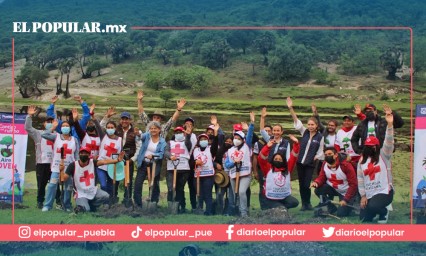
[{"x": 221, "y": 178}]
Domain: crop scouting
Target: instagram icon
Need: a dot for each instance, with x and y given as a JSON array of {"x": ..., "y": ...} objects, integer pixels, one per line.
[{"x": 24, "y": 232}]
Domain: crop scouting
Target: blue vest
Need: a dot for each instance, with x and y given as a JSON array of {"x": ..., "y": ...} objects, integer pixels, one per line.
[
  {"x": 282, "y": 149},
  {"x": 315, "y": 144}
]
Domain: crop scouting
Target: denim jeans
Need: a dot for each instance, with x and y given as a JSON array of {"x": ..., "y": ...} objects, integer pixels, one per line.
[
  {"x": 105, "y": 181},
  {"x": 100, "y": 198},
  {"x": 51, "y": 191}
]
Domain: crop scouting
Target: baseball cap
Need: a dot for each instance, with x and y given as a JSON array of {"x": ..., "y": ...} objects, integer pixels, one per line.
[
  {"x": 348, "y": 117},
  {"x": 369, "y": 106},
  {"x": 179, "y": 128},
  {"x": 238, "y": 127},
  {"x": 125, "y": 115},
  {"x": 85, "y": 149},
  {"x": 241, "y": 134},
  {"x": 371, "y": 141}
]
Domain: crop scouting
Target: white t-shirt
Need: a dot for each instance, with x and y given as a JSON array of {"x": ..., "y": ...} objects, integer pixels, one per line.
[{"x": 152, "y": 148}]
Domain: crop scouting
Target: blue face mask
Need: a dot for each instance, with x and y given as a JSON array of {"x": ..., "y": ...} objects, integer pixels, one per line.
[
  {"x": 48, "y": 126},
  {"x": 65, "y": 130},
  {"x": 179, "y": 137},
  {"x": 110, "y": 131},
  {"x": 204, "y": 143}
]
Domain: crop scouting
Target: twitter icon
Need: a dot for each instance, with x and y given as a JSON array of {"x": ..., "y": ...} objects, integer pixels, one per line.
[{"x": 328, "y": 232}]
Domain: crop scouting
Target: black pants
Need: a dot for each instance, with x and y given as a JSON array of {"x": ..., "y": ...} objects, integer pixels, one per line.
[
  {"x": 181, "y": 179},
  {"x": 376, "y": 205},
  {"x": 43, "y": 173},
  {"x": 130, "y": 186},
  {"x": 288, "y": 202},
  {"x": 192, "y": 189},
  {"x": 206, "y": 191},
  {"x": 329, "y": 193},
  {"x": 260, "y": 175},
  {"x": 304, "y": 173},
  {"x": 140, "y": 177}
]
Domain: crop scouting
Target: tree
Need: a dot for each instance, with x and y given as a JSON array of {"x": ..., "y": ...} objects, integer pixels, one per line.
[
  {"x": 154, "y": 79},
  {"x": 290, "y": 61},
  {"x": 30, "y": 78},
  {"x": 241, "y": 39},
  {"x": 264, "y": 43},
  {"x": 419, "y": 54},
  {"x": 167, "y": 95},
  {"x": 215, "y": 54},
  {"x": 96, "y": 65},
  {"x": 391, "y": 61}
]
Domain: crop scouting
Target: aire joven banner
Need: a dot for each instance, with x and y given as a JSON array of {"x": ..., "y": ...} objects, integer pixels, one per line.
[{"x": 13, "y": 149}]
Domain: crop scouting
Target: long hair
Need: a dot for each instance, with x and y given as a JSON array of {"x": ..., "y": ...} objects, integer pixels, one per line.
[{"x": 374, "y": 158}]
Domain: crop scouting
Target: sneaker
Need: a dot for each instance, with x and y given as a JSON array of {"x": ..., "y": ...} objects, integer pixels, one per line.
[
  {"x": 68, "y": 209},
  {"x": 40, "y": 205},
  {"x": 383, "y": 219},
  {"x": 306, "y": 207},
  {"x": 45, "y": 209},
  {"x": 58, "y": 207}
]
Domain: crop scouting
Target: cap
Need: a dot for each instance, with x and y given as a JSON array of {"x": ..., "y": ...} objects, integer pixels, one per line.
[
  {"x": 369, "y": 106},
  {"x": 156, "y": 113},
  {"x": 241, "y": 134},
  {"x": 190, "y": 119},
  {"x": 179, "y": 128},
  {"x": 125, "y": 115},
  {"x": 238, "y": 127},
  {"x": 371, "y": 141},
  {"x": 203, "y": 135},
  {"x": 85, "y": 149},
  {"x": 211, "y": 127},
  {"x": 348, "y": 117}
]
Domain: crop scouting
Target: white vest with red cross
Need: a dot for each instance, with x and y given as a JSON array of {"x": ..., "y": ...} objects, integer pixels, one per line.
[
  {"x": 336, "y": 179},
  {"x": 206, "y": 157},
  {"x": 277, "y": 186},
  {"x": 108, "y": 147},
  {"x": 343, "y": 139},
  {"x": 375, "y": 178},
  {"x": 46, "y": 151},
  {"x": 93, "y": 143},
  {"x": 84, "y": 180},
  {"x": 69, "y": 150},
  {"x": 244, "y": 155},
  {"x": 178, "y": 149}
]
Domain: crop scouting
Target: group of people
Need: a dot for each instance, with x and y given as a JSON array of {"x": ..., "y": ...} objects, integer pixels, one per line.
[{"x": 353, "y": 162}]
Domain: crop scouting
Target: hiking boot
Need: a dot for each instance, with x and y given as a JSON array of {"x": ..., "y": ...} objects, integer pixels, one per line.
[
  {"x": 384, "y": 219},
  {"x": 306, "y": 207}
]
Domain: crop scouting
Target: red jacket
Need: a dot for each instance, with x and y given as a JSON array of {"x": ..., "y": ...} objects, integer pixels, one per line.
[
  {"x": 266, "y": 167},
  {"x": 350, "y": 173}
]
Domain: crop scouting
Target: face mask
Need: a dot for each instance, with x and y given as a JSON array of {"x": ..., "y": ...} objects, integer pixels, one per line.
[
  {"x": 48, "y": 126},
  {"x": 204, "y": 143},
  {"x": 237, "y": 142},
  {"x": 110, "y": 131},
  {"x": 278, "y": 164},
  {"x": 90, "y": 128},
  {"x": 84, "y": 158},
  {"x": 179, "y": 137},
  {"x": 227, "y": 146},
  {"x": 65, "y": 130},
  {"x": 370, "y": 116},
  {"x": 369, "y": 151},
  {"x": 329, "y": 159}
]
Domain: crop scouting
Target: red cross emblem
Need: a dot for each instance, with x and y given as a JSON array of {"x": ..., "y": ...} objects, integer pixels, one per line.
[
  {"x": 50, "y": 143},
  {"x": 371, "y": 171},
  {"x": 110, "y": 149},
  {"x": 202, "y": 157},
  {"x": 336, "y": 182},
  {"x": 92, "y": 145},
  {"x": 177, "y": 151},
  {"x": 237, "y": 155},
  {"x": 86, "y": 178},
  {"x": 66, "y": 150}
]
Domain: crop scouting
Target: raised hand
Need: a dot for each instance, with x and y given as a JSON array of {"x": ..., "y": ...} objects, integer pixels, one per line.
[
  {"x": 74, "y": 114},
  {"x": 388, "y": 113},
  {"x": 251, "y": 116},
  {"x": 188, "y": 128},
  {"x": 289, "y": 102},
  {"x": 263, "y": 114},
  {"x": 140, "y": 95},
  {"x": 54, "y": 124},
  {"x": 54, "y": 99},
  {"x": 92, "y": 108},
  {"x": 31, "y": 110},
  {"x": 314, "y": 108},
  {"x": 244, "y": 125},
  {"x": 271, "y": 142},
  {"x": 213, "y": 120},
  {"x": 111, "y": 111},
  {"x": 293, "y": 138},
  {"x": 180, "y": 103},
  {"x": 78, "y": 99},
  {"x": 357, "y": 109}
]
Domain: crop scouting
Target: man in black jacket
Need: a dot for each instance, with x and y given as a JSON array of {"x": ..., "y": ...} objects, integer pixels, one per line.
[{"x": 374, "y": 125}]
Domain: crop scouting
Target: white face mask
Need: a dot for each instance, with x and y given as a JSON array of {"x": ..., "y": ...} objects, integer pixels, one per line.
[
  {"x": 179, "y": 137},
  {"x": 237, "y": 142},
  {"x": 204, "y": 143},
  {"x": 110, "y": 131}
]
